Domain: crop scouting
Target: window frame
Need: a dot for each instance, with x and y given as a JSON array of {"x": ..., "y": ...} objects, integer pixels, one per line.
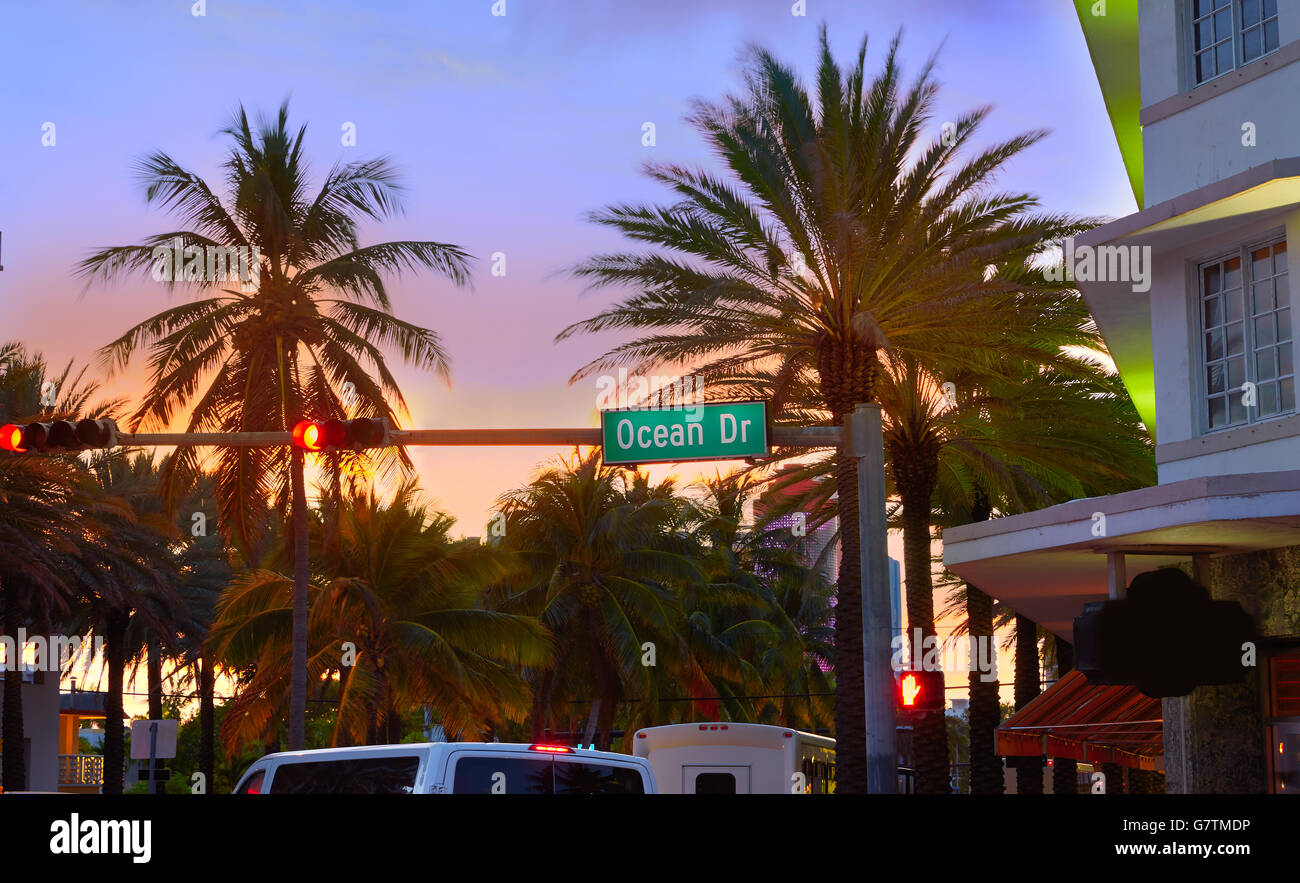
[
  {"x": 1201, "y": 388},
  {"x": 1237, "y": 38}
]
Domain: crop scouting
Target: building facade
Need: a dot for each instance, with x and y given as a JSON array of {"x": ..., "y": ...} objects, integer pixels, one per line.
[{"x": 1192, "y": 293}]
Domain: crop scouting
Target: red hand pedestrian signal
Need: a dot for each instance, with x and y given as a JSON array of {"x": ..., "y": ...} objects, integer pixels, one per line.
[{"x": 920, "y": 691}]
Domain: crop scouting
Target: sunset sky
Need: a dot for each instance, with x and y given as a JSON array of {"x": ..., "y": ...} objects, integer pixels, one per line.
[{"x": 507, "y": 128}]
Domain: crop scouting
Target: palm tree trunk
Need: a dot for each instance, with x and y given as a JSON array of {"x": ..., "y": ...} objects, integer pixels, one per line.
[
  {"x": 298, "y": 666},
  {"x": 589, "y": 735},
  {"x": 930, "y": 730},
  {"x": 985, "y": 709},
  {"x": 847, "y": 370},
  {"x": 114, "y": 742},
  {"x": 393, "y": 734},
  {"x": 153, "y": 673},
  {"x": 1029, "y": 770},
  {"x": 207, "y": 723},
  {"x": 13, "y": 777},
  {"x": 850, "y": 681},
  {"x": 1065, "y": 770},
  {"x": 605, "y": 721},
  {"x": 542, "y": 704}
]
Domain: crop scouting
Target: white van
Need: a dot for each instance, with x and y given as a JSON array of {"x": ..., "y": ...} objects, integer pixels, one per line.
[
  {"x": 448, "y": 768},
  {"x": 729, "y": 758}
]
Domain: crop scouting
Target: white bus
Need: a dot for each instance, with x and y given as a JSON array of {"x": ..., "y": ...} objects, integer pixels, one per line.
[{"x": 730, "y": 758}]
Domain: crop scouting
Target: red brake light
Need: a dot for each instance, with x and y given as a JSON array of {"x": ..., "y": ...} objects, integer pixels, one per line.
[{"x": 552, "y": 749}]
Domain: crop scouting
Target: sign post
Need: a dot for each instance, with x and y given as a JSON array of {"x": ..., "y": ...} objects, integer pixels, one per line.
[
  {"x": 162, "y": 744},
  {"x": 714, "y": 431}
]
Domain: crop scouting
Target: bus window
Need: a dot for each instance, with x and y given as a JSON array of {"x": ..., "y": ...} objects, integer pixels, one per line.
[{"x": 715, "y": 783}]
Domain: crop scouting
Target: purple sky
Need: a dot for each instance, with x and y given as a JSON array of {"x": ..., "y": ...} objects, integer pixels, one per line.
[{"x": 507, "y": 128}]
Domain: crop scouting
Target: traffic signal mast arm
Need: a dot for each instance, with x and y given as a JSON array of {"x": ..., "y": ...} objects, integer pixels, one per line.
[{"x": 808, "y": 436}]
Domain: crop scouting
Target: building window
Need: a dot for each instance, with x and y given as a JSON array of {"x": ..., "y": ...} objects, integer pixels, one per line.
[
  {"x": 1258, "y": 28},
  {"x": 1229, "y": 33},
  {"x": 1246, "y": 331}
]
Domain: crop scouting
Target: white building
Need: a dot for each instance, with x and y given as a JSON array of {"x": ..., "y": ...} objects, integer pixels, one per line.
[{"x": 1202, "y": 95}]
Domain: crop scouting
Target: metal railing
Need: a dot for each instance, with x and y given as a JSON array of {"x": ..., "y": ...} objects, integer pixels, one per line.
[{"x": 81, "y": 769}]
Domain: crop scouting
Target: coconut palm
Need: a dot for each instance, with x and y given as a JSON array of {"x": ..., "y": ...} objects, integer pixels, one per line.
[
  {"x": 313, "y": 318},
  {"x": 48, "y": 518},
  {"x": 764, "y": 583},
  {"x": 409, "y": 601},
  {"x": 604, "y": 560},
  {"x": 126, "y": 565},
  {"x": 838, "y": 228}
]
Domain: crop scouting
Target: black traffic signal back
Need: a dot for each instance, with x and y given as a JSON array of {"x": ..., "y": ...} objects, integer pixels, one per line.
[
  {"x": 356, "y": 434},
  {"x": 1165, "y": 638},
  {"x": 59, "y": 435},
  {"x": 919, "y": 690}
]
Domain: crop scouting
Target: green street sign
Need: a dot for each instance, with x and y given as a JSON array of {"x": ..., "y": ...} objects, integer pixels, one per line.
[{"x": 716, "y": 431}]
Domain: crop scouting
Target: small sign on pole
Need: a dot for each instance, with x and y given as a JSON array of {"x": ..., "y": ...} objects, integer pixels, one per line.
[{"x": 151, "y": 740}]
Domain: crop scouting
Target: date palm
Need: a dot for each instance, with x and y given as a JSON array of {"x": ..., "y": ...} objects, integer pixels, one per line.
[
  {"x": 845, "y": 221},
  {"x": 263, "y": 356}
]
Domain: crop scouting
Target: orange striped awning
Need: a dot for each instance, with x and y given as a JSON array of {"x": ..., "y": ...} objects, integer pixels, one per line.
[{"x": 1092, "y": 723}]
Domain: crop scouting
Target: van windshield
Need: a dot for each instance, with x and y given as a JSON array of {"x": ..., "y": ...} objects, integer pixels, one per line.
[{"x": 354, "y": 775}]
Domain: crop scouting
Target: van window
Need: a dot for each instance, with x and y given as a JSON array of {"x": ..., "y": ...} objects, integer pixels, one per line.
[
  {"x": 502, "y": 775},
  {"x": 353, "y": 775},
  {"x": 254, "y": 783},
  {"x": 572, "y": 777}
]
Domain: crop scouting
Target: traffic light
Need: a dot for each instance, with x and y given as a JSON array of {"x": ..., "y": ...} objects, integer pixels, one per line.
[
  {"x": 357, "y": 434},
  {"x": 58, "y": 435},
  {"x": 918, "y": 690},
  {"x": 1165, "y": 638}
]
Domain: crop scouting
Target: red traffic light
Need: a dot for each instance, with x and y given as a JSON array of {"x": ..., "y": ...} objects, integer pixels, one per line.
[
  {"x": 11, "y": 438},
  {"x": 920, "y": 690},
  {"x": 58, "y": 435},
  {"x": 321, "y": 435},
  {"x": 309, "y": 435}
]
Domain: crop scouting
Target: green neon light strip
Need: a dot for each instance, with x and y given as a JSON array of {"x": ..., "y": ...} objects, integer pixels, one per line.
[{"x": 1112, "y": 40}]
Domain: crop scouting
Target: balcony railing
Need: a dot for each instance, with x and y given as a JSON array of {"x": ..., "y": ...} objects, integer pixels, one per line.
[{"x": 81, "y": 769}]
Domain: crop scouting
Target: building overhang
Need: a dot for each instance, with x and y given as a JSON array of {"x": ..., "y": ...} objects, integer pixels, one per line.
[
  {"x": 1048, "y": 563},
  {"x": 1267, "y": 191}
]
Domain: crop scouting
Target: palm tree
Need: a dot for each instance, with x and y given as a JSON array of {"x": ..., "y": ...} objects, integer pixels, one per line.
[
  {"x": 764, "y": 585},
  {"x": 47, "y": 518},
  {"x": 280, "y": 348},
  {"x": 839, "y": 230},
  {"x": 127, "y": 568},
  {"x": 603, "y": 558},
  {"x": 410, "y": 601}
]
